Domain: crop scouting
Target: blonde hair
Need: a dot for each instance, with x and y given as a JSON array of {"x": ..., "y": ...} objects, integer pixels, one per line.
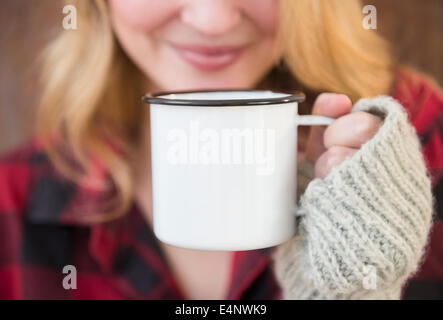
[{"x": 91, "y": 109}]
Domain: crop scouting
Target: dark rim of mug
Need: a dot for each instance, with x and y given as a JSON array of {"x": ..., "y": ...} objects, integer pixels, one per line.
[{"x": 155, "y": 98}]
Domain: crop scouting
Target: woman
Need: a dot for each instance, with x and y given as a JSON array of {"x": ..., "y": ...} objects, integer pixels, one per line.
[{"x": 80, "y": 193}]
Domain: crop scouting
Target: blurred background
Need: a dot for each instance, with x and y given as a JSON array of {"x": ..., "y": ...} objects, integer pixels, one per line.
[{"x": 415, "y": 27}]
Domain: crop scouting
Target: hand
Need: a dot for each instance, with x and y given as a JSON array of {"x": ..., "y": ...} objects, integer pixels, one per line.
[{"x": 329, "y": 147}]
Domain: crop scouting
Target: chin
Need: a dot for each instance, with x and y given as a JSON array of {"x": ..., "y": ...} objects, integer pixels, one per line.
[
  {"x": 208, "y": 83},
  {"x": 213, "y": 86},
  {"x": 182, "y": 77}
]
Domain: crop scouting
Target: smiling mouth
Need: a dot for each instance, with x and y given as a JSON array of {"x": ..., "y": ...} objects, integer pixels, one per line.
[{"x": 209, "y": 58}]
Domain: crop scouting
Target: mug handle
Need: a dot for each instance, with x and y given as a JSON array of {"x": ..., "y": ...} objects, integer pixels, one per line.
[
  {"x": 310, "y": 120},
  {"x": 313, "y": 121}
]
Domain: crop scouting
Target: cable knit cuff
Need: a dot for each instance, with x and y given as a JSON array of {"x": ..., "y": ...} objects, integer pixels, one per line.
[{"x": 364, "y": 226}]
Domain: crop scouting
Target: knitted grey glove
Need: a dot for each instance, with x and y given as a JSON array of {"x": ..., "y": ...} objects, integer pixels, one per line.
[{"x": 362, "y": 230}]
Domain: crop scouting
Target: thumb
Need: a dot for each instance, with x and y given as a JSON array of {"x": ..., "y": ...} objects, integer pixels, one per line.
[{"x": 329, "y": 105}]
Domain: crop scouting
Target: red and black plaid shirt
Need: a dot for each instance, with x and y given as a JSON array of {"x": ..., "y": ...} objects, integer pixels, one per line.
[{"x": 122, "y": 259}]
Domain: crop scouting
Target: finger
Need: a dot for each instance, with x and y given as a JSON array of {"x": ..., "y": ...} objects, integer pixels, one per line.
[
  {"x": 333, "y": 157},
  {"x": 352, "y": 130},
  {"x": 329, "y": 105}
]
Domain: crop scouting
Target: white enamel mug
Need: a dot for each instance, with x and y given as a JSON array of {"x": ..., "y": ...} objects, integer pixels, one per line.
[{"x": 224, "y": 167}]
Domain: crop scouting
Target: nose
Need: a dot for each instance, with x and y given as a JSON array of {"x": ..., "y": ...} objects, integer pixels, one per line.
[{"x": 211, "y": 17}]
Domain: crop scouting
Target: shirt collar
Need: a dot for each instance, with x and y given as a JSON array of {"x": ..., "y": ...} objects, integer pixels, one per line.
[{"x": 54, "y": 199}]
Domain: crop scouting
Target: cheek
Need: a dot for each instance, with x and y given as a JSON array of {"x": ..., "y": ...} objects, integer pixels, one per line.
[
  {"x": 264, "y": 13},
  {"x": 142, "y": 14}
]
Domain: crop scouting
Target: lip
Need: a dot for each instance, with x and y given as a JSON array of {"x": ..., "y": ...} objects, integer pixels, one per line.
[{"x": 209, "y": 58}]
